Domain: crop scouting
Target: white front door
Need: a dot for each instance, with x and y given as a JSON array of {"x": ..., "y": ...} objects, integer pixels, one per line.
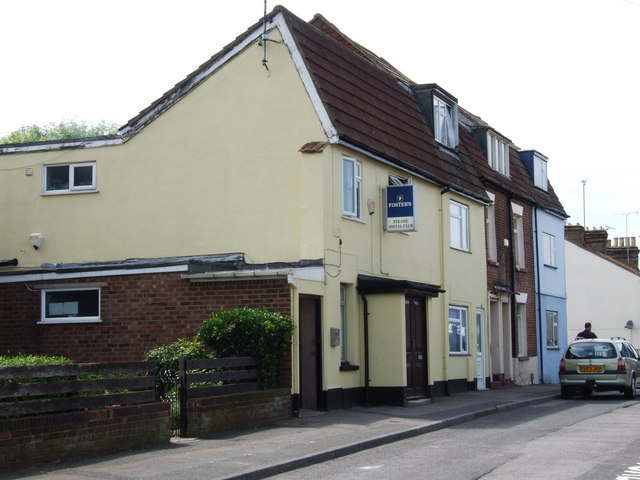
[{"x": 480, "y": 375}]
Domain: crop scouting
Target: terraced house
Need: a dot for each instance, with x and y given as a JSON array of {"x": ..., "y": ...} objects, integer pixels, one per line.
[{"x": 294, "y": 170}]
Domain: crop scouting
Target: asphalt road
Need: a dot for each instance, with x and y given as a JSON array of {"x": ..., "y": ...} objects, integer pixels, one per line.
[{"x": 595, "y": 439}]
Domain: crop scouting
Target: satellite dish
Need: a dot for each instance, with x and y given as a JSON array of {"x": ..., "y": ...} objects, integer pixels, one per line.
[{"x": 629, "y": 324}]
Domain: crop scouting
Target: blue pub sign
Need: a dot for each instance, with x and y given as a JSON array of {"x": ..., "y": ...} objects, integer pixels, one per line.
[{"x": 399, "y": 208}]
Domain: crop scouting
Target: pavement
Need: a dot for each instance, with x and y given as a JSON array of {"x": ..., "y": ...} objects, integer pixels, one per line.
[{"x": 312, "y": 438}]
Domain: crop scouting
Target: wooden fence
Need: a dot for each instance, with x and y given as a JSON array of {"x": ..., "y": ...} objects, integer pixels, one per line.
[
  {"x": 211, "y": 377},
  {"x": 61, "y": 388}
]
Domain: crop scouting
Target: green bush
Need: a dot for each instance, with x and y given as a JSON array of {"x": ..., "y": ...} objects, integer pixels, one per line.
[
  {"x": 167, "y": 359},
  {"x": 26, "y": 360},
  {"x": 249, "y": 332}
]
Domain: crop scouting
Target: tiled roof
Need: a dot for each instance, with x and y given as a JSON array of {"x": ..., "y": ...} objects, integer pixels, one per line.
[
  {"x": 372, "y": 107},
  {"x": 519, "y": 182}
]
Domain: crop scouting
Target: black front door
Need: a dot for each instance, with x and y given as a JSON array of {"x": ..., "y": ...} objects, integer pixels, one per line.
[
  {"x": 416, "y": 324},
  {"x": 310, "y": 352}
]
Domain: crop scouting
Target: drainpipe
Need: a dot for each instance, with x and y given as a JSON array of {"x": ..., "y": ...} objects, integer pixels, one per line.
[
  {"x": 513, "y": 281},
  {"x": 444, "y": 311},
  {"x": 538, "y": 296},
  {"x": 366, "y": 348}
]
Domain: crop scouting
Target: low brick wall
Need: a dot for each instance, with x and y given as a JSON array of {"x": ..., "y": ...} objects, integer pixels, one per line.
[
  {"x": 44, "y": 438},
  {"x": 238, "y": 411}
]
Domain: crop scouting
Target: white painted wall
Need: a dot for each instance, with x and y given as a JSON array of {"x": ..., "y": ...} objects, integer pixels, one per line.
[{"x": 603, "y": 293}]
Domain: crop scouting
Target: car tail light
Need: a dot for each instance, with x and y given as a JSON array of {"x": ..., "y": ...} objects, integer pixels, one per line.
[
  {"x": 622, "y": 367},
  {"x": 562, "y": 367}
]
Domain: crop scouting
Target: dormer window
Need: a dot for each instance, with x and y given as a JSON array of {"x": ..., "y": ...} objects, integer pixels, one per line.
[
  {"x": 498, "y": 153},
  {"x": 536, "y": 164},
  {"x": 540, "y": 171},
  {"x": 445, "y": 122},
  {"x": 440, "y": 111}
]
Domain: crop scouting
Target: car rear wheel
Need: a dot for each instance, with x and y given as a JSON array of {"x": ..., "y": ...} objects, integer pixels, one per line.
[{"x": 630, "y": 391}]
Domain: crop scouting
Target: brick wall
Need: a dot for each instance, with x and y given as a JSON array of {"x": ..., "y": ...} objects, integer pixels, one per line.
[
  {"x": 45, "y": 438},
  {"x": 502, "y": 273},
  {"x": 238, "y": 411},
  {"x": 139, "y": 312}
]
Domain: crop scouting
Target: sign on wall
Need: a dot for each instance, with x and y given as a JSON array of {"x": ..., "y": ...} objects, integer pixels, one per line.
[{"x": 399, "y": 208}]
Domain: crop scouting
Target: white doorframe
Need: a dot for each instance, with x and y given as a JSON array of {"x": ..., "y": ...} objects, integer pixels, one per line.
[{"x": 480, "y": 350}]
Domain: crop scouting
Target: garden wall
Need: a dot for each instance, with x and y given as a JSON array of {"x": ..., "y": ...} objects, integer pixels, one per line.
[
  {"x": 45, "y": 438},
  {"x": 211, "y": 415}
]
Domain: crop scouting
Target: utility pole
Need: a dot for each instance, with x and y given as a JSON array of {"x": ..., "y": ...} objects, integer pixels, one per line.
[{"x": 584, "y": 215}]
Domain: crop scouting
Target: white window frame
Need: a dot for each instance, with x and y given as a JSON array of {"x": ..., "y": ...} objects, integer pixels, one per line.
[
  {"x": 459, "y": 225},
  {"x": 540, "y": 178},
  {"x": 521, "y": 321},
  {"x": 549, "y": 249},
  {"x": 459, "y": 326},
  {"x": 351, "y": 188},
  {"x": 551, "y": 318},
  {"x": 71, "y": 171},
  {"x": 492, "y": 240},
  {"x": 498, "y": 153},
  {"x": 70, "y": 318},
  {"x": 518, "y": 235},
  {"x": 445, "y": 122}
]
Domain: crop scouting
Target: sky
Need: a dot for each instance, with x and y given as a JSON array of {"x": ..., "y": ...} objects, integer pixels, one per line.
[{"x": 558, "y": 76}]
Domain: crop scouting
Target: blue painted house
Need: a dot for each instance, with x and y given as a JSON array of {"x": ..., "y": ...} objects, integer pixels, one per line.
[{"x": 551, "y": 293}]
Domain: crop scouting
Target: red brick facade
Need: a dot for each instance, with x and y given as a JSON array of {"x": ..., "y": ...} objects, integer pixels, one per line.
[
  {"x": 139, "y": 312},
  {"x": 502, "y": 272}
]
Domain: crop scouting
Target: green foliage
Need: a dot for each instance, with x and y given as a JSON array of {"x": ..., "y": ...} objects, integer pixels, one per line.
[
  {"x": 167, "y": 359},
  {"x": 58, "y": 131},
  {"x": 25, "y": 360},
  {"x": 249, "y": 332}
]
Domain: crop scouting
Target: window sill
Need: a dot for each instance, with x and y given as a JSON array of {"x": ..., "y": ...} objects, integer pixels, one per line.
[
  {"x": 65, "y": 321},
  {"x": 551, "y": 266},
  {"x": 523, "y": 358},
  {"x": 459, "y": 354},
  {"x": 56, "y": 193},
  {"x": 493, "y": 263},
  {"x": 460, "y": 250},
  {"x": 522, "y": 270},
  {"x": 354, "y": 219},
  {"x": 553, "y": 348},
  {"x": 347, "y": 367}
]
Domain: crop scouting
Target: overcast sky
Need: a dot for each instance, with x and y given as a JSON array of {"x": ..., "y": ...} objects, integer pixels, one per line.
[{"x": 558, "y": 76}]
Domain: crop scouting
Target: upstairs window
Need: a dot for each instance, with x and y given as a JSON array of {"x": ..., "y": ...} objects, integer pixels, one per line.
[
  {"x": 492, "y": 241},
  {"x": 69, "y": 178},
  {"x": 498, "y": 153},
  {"x": 445, "y": 122},
  {"x": 459, "y": 224},
  {"x": 549, "y": 249},
  {"x": 518, "y": 235},
  {"x": 351, "y": 187}
]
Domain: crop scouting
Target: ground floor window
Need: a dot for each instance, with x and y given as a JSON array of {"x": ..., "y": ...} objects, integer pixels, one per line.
[
  {"x": 521, "y": 322},
  {"x": 552, "y": 329},
  {"x": 458, "y": 330},
  {"x": 70, "y": 305}
]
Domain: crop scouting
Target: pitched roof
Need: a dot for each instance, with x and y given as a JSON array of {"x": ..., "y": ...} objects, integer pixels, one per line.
[{"x": 372, "y": 107}]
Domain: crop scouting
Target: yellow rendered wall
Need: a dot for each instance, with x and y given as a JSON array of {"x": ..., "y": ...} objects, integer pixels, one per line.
[
  {"x": 219, "y": 172},
  {"x": 362, "y": 247}
]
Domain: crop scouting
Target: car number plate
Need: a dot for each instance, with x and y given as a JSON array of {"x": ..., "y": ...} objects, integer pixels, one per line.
[{"x": 590, "y": 368}]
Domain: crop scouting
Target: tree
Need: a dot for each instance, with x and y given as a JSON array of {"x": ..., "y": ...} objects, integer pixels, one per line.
[{"x": 58, "y": 131}]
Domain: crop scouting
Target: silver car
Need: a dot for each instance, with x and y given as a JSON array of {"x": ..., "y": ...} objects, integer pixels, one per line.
[{"x": 599, "y": 365}]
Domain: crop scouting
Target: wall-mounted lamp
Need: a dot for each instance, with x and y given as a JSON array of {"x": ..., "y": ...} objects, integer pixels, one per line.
[
  {"x": 629, "y": 324},
  {"x": 36, "y": 240}
]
